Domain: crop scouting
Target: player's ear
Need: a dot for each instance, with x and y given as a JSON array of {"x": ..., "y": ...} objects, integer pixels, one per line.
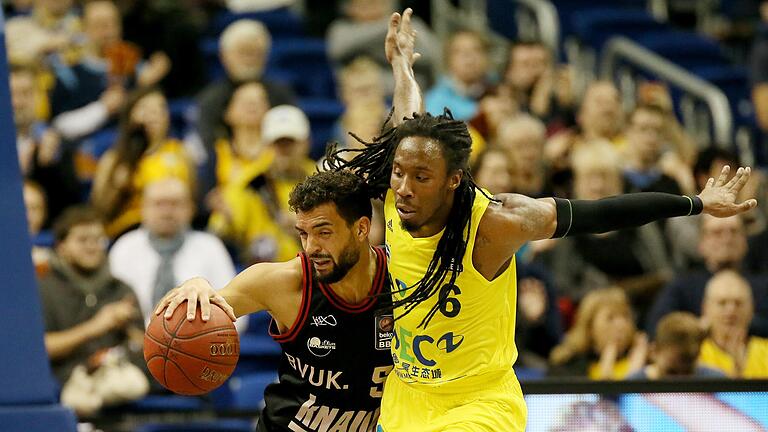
[
  {"x": 362, "y": 228},
  {"x": 455, "y": 180}
]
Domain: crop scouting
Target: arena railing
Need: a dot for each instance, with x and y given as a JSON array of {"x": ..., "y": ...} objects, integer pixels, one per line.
[{"x": 622, "y": 57}]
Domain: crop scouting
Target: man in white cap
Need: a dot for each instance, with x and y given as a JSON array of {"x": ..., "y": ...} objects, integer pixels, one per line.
[{"x": 286, "y": 128}]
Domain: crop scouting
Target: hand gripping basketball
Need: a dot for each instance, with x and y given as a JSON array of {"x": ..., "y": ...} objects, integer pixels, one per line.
[{"x": 191, "y": 357}]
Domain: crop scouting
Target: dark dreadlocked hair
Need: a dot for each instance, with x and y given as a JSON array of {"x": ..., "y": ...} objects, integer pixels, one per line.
[{"x": 373, "y": 163}]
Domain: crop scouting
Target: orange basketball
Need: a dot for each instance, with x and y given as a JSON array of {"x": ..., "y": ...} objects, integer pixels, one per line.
[{"x": 191, "y": 357}]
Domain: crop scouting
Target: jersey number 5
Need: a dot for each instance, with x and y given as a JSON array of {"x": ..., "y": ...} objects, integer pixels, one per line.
[{"x": 379, "y": 376}]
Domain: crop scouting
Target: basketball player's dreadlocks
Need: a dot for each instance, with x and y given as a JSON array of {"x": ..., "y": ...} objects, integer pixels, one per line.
[{"x": 373, "y": 162}]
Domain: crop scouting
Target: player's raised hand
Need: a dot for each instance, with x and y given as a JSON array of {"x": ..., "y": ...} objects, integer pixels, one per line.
[
  {"x": 719, "y": 196},
  {"x": 193, "y": 291},
  {"x": 400, "y": 43}
]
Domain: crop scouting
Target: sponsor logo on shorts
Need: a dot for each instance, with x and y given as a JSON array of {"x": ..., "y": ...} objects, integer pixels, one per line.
[{"x": 320, "y": 348}]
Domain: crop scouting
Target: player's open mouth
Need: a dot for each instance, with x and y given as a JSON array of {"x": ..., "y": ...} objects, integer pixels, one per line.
[
  {"x": 405, "y": 213},
  {"x": 319, "y": 263}
]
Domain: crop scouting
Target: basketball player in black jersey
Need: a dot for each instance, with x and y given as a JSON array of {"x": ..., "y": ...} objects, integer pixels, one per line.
[{"x": 333, "y": 329}]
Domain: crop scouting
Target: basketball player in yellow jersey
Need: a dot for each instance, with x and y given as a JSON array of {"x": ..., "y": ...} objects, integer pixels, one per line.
[{"x": 451, "y": 255}]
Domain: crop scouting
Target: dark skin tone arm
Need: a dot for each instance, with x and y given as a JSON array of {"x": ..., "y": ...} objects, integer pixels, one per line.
[{"x": 517, "y": 219}]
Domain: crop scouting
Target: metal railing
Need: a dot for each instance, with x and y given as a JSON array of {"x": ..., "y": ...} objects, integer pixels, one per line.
[
  {"x": 622, "y": 50},
  {"x": 546, "y": 25}
]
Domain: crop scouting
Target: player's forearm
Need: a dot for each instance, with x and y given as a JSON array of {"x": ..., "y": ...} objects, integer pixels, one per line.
[
  {"x": 407, "y": 98},
  {"x": 576, "y": 217},
  {"x": 60, "y": 344}
]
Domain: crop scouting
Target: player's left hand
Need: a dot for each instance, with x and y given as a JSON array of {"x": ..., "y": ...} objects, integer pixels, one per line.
[
  {"x": 400, "y": 42},
  {"x": 719, "y": 196}
]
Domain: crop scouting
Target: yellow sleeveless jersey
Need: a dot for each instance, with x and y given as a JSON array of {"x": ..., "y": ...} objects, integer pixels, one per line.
[{"x": 471, "y": 339}]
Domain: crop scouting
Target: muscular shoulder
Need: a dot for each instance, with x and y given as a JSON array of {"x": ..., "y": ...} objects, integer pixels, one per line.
[{"x": 519, "y": 218}]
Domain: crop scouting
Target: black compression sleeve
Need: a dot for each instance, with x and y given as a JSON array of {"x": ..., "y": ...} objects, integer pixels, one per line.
[{"x": 623, "y": 211}]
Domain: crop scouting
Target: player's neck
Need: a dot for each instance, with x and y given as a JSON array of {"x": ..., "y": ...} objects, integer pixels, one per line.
[{"x": 356, "y": 285}]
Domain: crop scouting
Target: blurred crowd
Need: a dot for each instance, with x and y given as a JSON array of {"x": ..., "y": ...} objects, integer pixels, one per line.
[{"x": 204, "y": 192}]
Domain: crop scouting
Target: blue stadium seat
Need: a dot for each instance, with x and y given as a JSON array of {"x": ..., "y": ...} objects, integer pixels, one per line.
[
  {"x": 686, "y": 49},
  {"x": 33, "y": 418},
  {"x": 566, "y": 9},
  {"x": 181, "y": 111},
  {"x": 323, "y": 114},
  {"x": 99, "y": 142},
  {"x": 256, "y": 341},
  {"x": 228, "y": 425},
  {"x": 594, "y": 26},
  {"x": 248, "y": 390},
  {"x": 307, "y": 59},
  {"x": 501, "y": 18},
  {"x": 167, "y": 403},
  {"x": 280, "y": 22}
]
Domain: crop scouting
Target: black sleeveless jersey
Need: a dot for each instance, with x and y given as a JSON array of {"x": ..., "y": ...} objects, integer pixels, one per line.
[{"x": 334, "y": 362}]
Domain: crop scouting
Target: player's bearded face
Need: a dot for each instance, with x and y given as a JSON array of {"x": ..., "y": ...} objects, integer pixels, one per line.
[{"x": 339, "y": 267}]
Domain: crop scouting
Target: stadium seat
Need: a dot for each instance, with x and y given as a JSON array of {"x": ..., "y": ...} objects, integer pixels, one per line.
[
  {"x": 248, "y": 390},
  {"x": 595, "y": 26},
  {"x": 280, "y": 22},
  {"x": 686, "y": 49},
  {"x": 228, "y": 425},
  {"x": 307, "y": 59},
  {"x": 323, "y": 114},
  {"x": 167, "y": 403}
]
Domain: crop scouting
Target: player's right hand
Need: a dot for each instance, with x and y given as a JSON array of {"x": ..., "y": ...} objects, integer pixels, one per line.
[{"x": 193, "y": 291}]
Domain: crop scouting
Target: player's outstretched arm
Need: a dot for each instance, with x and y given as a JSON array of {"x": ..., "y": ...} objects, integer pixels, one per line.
[
  {"x": 253, "y": 290},
  {"x": 399, "y": 46},
  {"x": 528, "y": 219}
]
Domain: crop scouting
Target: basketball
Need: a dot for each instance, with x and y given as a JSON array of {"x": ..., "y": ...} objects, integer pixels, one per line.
[{"x": 191, "y": 357}]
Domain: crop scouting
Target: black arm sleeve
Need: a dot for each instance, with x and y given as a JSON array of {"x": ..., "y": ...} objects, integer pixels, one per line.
[{"x": 623, "y": 211}]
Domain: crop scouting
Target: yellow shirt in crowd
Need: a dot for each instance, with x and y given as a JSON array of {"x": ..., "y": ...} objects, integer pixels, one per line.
[{"x": 713, "y": 356}]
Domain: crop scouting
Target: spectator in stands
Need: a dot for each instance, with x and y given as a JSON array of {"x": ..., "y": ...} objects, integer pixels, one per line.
[
  {"x": 758, "y": 69},
  {"x": 727, "y": 310},
  {"x": 675, "y": 350},
  {"x": 523, "y": 138},
  {"x": 34, "y": 202},
  {"x": 88, "y": 93},
  {"x": 683, "y": 233},
  {"x": 365, "y": 107},
  {"x": 722, "y": 244},
  {"x": 603, "y": 342},
  {"x": 466, "y": 79},
  {"x": 165, "y": 252},
  {"x": 144, "y": 152},
  {"x": 364, "y": 26},
  {"x": 538, "y": 328},
  {"x": 174, "y": 28},
  {"x": 243, "y": 46},
  {"x": 42, "y": 156},
  {"x": 645, "y": 135},
  {"x": 491, "y": 171},
  {"x": 537, "y": 86},
  {"x": 495, "y": 107},
  {"x": 255, "y": 173},
  {"x": 240, "y": 153},
  {"x": 634, "y": 259},
  {"x": 102, "y": 26},
  {"x": 92, "y": 322},
  {"x": 600, "y": 117}
]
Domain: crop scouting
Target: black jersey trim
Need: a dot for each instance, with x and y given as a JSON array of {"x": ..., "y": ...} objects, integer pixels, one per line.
[
  {"x": 306, "y": 299},
  {"x": 376, "y": 286}
]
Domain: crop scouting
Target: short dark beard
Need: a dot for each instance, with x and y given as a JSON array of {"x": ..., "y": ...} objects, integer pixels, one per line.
[
  {"x": 348, "y": 258},
  {"x": 409, "y": 226}
]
